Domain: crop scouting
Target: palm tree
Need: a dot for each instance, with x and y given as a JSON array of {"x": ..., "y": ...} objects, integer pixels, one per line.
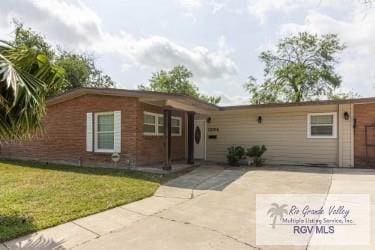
[
  {"x": 277, "y": 211},
  {"x": 26, "y": 78}
]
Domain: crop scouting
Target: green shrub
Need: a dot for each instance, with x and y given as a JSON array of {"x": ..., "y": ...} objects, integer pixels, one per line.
[
  {"x": 256, "y": 153},
  {"x": 235, "y": 154}
]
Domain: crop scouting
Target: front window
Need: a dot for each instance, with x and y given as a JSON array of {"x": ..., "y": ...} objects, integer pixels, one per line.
[
  {"x": 153, "y": 124},
  {"x": 149, "y": 124},
  {"x": 104, "y": 132},
  {"x": 322, "y": 125},
  {"x": 176, "y": 126}
]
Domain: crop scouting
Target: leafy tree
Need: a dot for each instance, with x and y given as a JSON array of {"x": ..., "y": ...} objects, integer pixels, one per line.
[
  {"x": 177, "y": 80},
  {"x": 339, "y": 95},
  {"x": 29, "y": 38},
  {"x": 80, "y": 69},
  {"x": 82, "y": 72},
  {"x": 301, "y": 68},
  {"x": 30, "y": 71},
  {"x": 26, "y": 76},
  {"x": 210, "y": 99}
]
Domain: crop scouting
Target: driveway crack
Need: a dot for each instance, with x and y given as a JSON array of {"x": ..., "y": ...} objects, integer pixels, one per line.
[
  {"x": 325, "y": 201},
  {"x": 200, "y": 226},
  {"x": 174, "y": 197},
  {"x": 157, "y": 212},
  {"x": 207, "y": 228},
  {"x": 110, "y": 232},
  {"x": 87, "y": 229}
]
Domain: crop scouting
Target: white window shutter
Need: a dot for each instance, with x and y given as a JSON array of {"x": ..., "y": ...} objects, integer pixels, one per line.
[
  {"x": 89, "y": 132},
  {"x": 117, "y": 131}
]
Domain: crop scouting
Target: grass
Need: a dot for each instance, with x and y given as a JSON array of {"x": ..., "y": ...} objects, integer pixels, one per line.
[{"x": 35, "y": 196}]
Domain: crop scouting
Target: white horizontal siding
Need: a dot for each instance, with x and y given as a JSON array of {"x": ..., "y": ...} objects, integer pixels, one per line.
[
  {"x": 346, "y": 139},
  {"x": 283, "y": 131}
]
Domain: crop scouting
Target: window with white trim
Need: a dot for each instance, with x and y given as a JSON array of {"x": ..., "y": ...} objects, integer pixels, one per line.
[
  {"x": 149, "y": 123},
  {"x": 176, "y": 126},
  {"x": 153, "y": 124},
  {"x": 104, "y": 132},
  {"x": 322, "y": 125}
]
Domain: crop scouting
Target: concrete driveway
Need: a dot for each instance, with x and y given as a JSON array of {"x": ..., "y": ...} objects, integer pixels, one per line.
[{"x": 208, "y": 208}]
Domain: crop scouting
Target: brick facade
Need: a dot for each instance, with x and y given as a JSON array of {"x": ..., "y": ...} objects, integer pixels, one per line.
[
  {"x": 150, "y": 149},
  {"x": 64, "y": 136},
  {"x": 364, "y": 115}
]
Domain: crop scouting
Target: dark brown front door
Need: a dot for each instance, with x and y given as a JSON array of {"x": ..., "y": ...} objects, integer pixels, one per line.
[
  {"x": 364, "y": 135},
  {"x": 370, "y": 145}
]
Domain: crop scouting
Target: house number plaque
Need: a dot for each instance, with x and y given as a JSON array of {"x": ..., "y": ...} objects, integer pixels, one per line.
[
  {"x": 213, "y": 129},
  {"x": 213, "y": 133}
]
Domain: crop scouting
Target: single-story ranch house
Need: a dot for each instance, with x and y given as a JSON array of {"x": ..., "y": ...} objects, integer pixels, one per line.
[{"x": 87, "y": 126}]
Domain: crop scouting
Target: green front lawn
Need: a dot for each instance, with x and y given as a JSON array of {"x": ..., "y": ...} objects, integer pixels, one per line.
[{"x": 35, "y": 196}]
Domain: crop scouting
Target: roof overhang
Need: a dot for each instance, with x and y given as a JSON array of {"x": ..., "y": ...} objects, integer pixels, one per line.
[
  {"x": 188, "y": 103},
  {"x": 177, "y": 101},
  {"x": 296, "y": 104}
]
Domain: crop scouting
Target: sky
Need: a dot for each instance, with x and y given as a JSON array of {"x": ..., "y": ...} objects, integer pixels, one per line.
[{"x": 218, "y": 40}]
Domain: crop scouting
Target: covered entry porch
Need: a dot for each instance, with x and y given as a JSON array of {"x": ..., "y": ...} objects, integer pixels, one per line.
[{"x": 196, "y": 113}]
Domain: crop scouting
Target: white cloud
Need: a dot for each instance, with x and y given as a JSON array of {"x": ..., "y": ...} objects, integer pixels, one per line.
[
  {"x": 228, "y": 91},
  {"x": 70, "y": 23},
  {"x": 228, "y": 100},
  {"x": 217, "y": 5},
  {"x": 214, "y": 5},
  {"x": 262, "y": 9},
  {"x": 75, "y": 26},
  {"x": 357, "y": 33},
  {"x": 159, "y": 52},
  {"x": 223, "y": 45},
  {"x": 190, "y": 4},
  {"x": 357, "y": 60}
]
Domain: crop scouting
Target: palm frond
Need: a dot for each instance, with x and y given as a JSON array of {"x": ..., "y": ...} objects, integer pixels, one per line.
[{"x": 26, "y": 76}]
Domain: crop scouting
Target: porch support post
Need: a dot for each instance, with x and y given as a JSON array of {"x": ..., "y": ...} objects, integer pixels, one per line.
[
  {"x": 190, "y": 159},
  {"x": 167, "y": 138}
]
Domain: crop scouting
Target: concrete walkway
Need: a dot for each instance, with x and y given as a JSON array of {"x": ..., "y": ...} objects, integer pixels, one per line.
[{"x": 208, "y": 208}]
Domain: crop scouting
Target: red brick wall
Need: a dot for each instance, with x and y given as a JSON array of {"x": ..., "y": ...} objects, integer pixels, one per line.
[
  {"x": 151, "y": 149},
  {"x": 364, "y": 115},
  {"x": 64, "y": 137}
]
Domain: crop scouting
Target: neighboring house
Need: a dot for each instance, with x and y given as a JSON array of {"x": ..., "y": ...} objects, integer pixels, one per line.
[{"x": 86, "y": 126}]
